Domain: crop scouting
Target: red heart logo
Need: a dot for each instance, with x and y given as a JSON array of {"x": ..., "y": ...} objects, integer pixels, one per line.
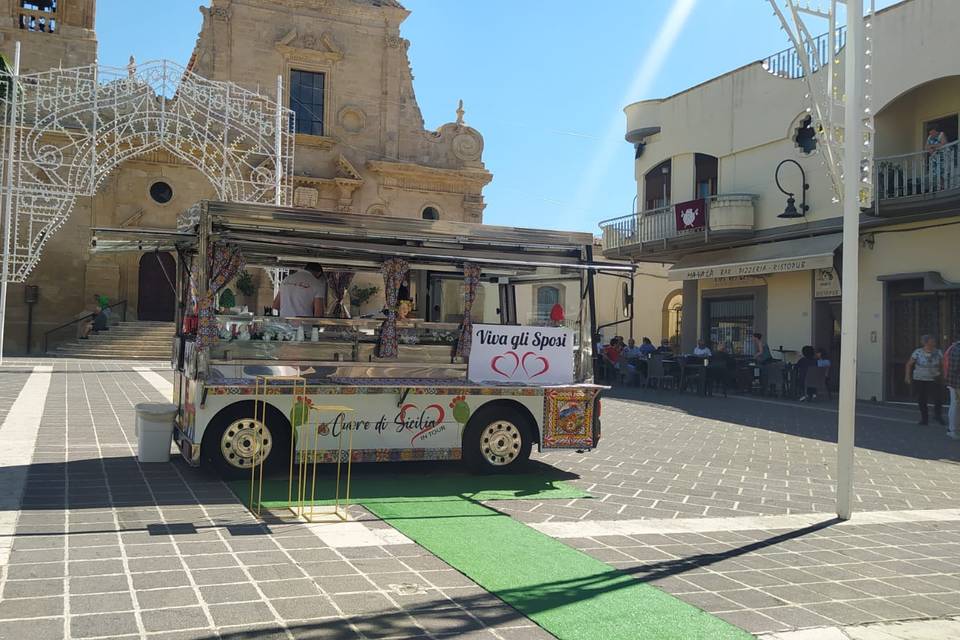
[
  {"x": 544, "y": 364},
  {"x": 495, "y": 364},
  {"x": 430, "y": 427}
]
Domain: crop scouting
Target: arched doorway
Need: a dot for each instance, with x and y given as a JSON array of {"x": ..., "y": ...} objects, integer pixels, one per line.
[
  {"x": 673, "y": 316},
  {"x": 155, "y": 294}
]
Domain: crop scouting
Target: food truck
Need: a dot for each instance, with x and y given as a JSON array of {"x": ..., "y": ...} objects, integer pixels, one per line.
[{"x": 479, "y": 349}]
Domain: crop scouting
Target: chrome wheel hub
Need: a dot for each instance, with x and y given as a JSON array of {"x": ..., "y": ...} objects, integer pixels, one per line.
[
  {"x": 500, "y": 443},
  {"x": 246, "y": 443}
]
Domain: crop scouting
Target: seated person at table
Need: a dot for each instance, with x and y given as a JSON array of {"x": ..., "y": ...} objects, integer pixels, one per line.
[
  {"x": 303, "y": 294},
  {"x": 665, "y": 349},
  {"x": 807, "y": 361},
  {"x": 646, "y": 348},
  {"x": 635, "y": 358},
  {"x": 761, "y": 350},
  {"x": 823, "y": 359},
  {"x": 611, "y": 352},
  {"x": 702, "y": 350}
]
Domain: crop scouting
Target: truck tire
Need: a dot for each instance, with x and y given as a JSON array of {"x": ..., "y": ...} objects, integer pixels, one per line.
[
  {"x": 497, "y": 439},
  {"x": 234, "y": 441}
]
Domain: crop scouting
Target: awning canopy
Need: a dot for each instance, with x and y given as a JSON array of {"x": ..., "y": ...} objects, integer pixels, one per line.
[{"x": 802, "y": 254}]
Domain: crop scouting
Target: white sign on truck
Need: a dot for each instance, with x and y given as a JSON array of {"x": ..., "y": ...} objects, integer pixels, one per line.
[{"x": 527, "y": 355}]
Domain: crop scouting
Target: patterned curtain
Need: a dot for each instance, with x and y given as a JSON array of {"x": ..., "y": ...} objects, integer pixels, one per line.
[
  {"x": 471, "y": 280},
  {"x": 337, "y": 283},
  {"x": 394, "y": 271},
  {"x": 224, "y": 263}
]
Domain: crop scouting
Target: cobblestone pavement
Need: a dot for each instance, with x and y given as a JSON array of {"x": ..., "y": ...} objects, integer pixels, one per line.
[
  {"x": 725, "y": 503},
  {"x": 105, "y": 547},
  {"x": 716, "y": 464}
]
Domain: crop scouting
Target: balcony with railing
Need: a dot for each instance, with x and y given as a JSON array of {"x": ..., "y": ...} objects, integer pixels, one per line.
[
  {"x": 787, "y": 64},
  {"x": 727, "y": 216},
  {"x": 918, "y": 182}
]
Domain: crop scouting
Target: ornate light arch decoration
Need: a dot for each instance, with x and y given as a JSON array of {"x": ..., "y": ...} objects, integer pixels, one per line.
[{"x": 72, "y": 127}]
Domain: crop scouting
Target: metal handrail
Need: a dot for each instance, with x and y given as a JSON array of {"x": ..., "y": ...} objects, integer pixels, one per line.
[
  {"x": 46, "y": 335},
  {"x": 787, "y": 64},
  {"x": 918, "y": 173},
  {"x": 655, "y": 225}
]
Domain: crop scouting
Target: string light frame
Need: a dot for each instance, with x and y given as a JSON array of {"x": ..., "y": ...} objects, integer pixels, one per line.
[
  {"x": 71, "y": 128},
  {"x": 825, "y": 88}
]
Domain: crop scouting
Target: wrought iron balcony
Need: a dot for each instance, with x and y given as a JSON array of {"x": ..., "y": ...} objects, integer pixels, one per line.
[
  {"x": 787, "y": 64},
  {"x": 917, "y": 182},
  {"x": 657, "y": 230}
]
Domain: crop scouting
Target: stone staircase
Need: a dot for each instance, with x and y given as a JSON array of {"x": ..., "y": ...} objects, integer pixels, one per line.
[{"x": 124, "y": 341}]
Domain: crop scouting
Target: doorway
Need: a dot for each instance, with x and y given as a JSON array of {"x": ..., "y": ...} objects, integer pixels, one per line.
[
  {"x": 913, "y": 312},
  {"x": 155, "y": 295},
  {"x": 826, "y": 334}
]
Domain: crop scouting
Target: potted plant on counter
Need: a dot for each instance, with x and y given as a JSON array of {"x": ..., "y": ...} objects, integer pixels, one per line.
[{"x": 359, "y": 296}]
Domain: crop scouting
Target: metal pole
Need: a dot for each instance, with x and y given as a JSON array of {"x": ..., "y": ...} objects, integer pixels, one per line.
[
  {"x": 278, "y": 143},
  {"x": 853, "y": 136},
  {"x": 8, "y": 196}
]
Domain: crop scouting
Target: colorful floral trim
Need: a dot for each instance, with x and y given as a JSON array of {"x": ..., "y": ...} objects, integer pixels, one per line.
[{"x": 568, "y": 418}]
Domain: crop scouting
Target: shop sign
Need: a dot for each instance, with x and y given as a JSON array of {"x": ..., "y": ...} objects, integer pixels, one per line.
[
  {"x": 738, "y": 281},
  {"x": 691, "y": 214},
  {"x": 521, "y": 354},
  {"x": 751, "y": 268},
  {"x": 826, "y": 284}
]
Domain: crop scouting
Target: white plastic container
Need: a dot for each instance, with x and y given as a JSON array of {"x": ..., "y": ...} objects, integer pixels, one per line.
[{"x": 155, "y": 431}]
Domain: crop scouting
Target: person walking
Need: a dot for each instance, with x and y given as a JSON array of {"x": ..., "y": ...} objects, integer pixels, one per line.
[
  {"x": 924, "y": 371},
  {"x": 951, "y": 374}
]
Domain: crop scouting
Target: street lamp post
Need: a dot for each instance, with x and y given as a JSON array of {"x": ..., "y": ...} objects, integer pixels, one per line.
[
  {"x": 844, "y": 147},
  {"x": 853, "y": 135}
]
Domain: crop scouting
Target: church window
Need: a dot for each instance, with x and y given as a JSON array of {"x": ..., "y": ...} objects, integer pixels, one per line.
[
  {"x": 161, "y": 192},
  {"x": 306, "y": 101},
  {"x": 38, "y": 15},
  {"x": 430, "y": 213}
]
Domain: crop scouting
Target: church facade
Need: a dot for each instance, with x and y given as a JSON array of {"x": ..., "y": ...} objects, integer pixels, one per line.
[{"x": 360, "y": 140}]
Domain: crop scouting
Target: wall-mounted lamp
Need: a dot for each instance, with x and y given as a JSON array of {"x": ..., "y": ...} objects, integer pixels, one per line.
[{"x": 791, "y": 210}]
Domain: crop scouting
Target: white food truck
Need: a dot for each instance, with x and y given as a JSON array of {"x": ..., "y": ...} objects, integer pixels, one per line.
[{"x": 478, "y": 349}]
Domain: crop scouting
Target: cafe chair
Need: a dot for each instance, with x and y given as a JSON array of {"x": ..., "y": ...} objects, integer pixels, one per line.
[
  {"x": 773, "y": 378},
  {"x": 657, "y": 376},
  {"x": 817, "y": 379}
]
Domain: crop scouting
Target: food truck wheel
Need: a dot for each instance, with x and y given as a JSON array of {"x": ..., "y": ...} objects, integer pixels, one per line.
[
  {"x": 235, "y": 441},
  {"x": 497, "y": 439}
]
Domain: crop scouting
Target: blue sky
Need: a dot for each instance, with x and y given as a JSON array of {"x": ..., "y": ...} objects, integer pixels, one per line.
[{"x": 544, "y": 81}]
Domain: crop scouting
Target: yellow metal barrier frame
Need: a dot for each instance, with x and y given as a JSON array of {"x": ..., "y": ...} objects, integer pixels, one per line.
[
  {"x": 261, "y": 383},
  {"x": 301, "y": 458},
  {"x": 307, "y": 461}
]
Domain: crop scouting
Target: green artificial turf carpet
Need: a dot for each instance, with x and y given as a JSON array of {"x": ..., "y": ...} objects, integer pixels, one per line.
[
  {"x": 366, "y": 488},
  {"x": 565, "y": 591}
]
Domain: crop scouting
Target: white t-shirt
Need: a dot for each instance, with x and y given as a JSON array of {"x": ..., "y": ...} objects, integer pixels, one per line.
[
  {"x": 297, "y": 293},
  {"x": 702, "y": 352}
]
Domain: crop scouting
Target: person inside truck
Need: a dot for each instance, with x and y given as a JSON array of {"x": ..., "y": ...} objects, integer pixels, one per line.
[{"x": 303, "y": 294}]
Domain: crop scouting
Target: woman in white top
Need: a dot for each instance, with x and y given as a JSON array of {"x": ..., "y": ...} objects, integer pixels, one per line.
[{"x": 924, "y": 370}]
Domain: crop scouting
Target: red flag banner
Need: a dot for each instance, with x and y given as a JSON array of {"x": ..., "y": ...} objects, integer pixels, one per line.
[{"x": 691, "y": 214}]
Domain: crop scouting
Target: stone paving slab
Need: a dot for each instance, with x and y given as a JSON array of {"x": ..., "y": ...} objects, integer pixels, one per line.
[
  {"x": 670, "y": 455},
  {"x": 919, "y": 630},
  {"x": 106, "y": 547}
]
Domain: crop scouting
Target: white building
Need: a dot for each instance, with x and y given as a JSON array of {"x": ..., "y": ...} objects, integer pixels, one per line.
[{"x": 747, "y": 269}]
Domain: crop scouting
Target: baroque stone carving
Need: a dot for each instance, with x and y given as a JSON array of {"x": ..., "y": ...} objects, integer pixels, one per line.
[
  {"x": 309, "y": 47},
  {"x": 352, "y": 119},
  {"x": 467, "y": 146},
  {"x": 306, "y": 197}
]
